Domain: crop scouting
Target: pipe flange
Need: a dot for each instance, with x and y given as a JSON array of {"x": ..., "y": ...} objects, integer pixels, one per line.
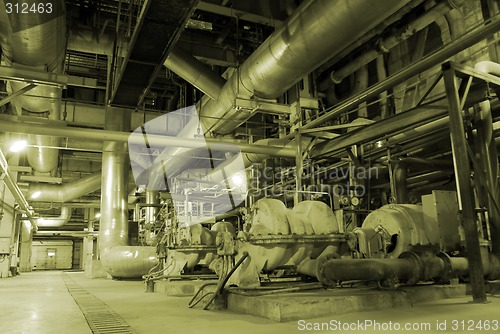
[
  {"x": 320, "y": 270},
  {"x": 417, "y": 266},
  {"x": 448, "y": 268}
]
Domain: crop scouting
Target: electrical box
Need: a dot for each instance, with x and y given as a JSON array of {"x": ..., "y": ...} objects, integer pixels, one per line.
[
  {"x": 4, "y": 246},
  {"x": 441, "y": 216}
]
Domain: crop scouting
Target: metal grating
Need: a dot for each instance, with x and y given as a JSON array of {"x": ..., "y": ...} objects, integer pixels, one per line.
[{"x": 100, "y": 317}]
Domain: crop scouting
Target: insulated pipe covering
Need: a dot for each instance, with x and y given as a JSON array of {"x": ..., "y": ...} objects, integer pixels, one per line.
[
  {"x": 36, "y": 41},
  {"x": 119, "y": 259},
  {"x": 63, "y": 219},
  {"x": 65, "y": 192}
]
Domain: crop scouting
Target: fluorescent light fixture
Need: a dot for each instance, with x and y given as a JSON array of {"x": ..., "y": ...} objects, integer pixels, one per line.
[
  {"x": 98, "y": 215},
  {"x": 40, "y": 220},
  {"x": 18, "y": 146},
  {"x": 36, "y": 194}
]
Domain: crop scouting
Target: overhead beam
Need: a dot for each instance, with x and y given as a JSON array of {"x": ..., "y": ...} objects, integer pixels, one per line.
[
  {"x": 241, "y": 15},
  {"x": 46, "y": 78}
]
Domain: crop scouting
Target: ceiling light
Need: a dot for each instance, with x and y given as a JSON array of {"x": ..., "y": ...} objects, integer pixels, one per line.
[
  {"x": 36, "y": 194},
  {"x": 98, "y": 215},
  {"x": 18, "y": 146}
]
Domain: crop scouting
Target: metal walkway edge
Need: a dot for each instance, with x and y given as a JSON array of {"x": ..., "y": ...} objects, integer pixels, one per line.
[{"x": 100, "y": 317}]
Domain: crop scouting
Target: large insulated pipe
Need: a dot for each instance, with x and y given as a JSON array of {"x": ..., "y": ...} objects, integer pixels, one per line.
[
  {"x": 64, "y": 192},
  {"x": 240, "y": 162},
  {"x": 63, "y": 219},
  {"x": 119, "y": 259},
  {"x": 36, "y": 41},
  {"x": 402, "y": 167},
  {"x": 195, "y": 72},
  {"x": 295, "y": 49},
  {"x": 488, "y": 157},
  {"x": 386, "y": 44},
  {"x": 310, "y": 36},
  {"x": 183, "y": 64}
]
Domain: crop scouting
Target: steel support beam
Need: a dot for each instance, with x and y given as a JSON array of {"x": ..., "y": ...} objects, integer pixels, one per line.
[
  {"x": 12, "y": 96},
  {"x": 464, "y": 187},
  {"x": 241, "y": 15},
  {"x": 46, "y": 78},
  {"x": 464, "y": 42}
]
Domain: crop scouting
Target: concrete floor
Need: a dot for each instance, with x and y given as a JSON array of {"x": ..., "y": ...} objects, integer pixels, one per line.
[{"x": 40, "y": 303}]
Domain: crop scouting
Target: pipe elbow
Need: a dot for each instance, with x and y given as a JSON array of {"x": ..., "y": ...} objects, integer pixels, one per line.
[
  {"x": 488, "y": 67},
  {"x": 129, "y": 261}
]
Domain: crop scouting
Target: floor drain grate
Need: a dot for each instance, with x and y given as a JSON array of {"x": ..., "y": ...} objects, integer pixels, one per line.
[{"x": 101, "y": 319}]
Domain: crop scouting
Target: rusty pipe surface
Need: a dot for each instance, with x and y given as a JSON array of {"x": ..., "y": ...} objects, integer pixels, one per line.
[
  {"x": 65, "y": 192},
  {"x": 63, "y": 219},
  {"x": 402, "y": 167}
]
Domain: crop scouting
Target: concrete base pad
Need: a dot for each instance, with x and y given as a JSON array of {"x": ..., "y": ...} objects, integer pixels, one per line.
[
  {"x": 317, "y": 303},
  {"x": 182, "y": 288}
]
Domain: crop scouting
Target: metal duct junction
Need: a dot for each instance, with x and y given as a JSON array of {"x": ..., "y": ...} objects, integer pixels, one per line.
[
  {"x": 311, "y": 35},
  {"x": 36, "y": 41},
  {"x": 300, "y": 45},
  {"x": 63, "y": 219},
  {"x": 119, "y": 259},
  {"x": 64, "y": 192}
]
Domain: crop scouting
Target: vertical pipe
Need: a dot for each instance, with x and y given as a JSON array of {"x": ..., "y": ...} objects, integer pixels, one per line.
[
  {"x": 119, "y": 259},
  {"x": 114, "y": 194}
]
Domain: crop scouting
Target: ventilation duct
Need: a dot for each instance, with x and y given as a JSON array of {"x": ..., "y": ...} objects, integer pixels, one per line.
[
  {"x": 36, "y": 42},
  {"x": 65, "y": 192},
  {"x": 63, "y": 219}
]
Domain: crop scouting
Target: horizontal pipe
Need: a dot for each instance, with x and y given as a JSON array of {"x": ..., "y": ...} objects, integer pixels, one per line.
[
  {"x": 118, "y": 136},
  {"x": 435, "y": 58},
  {"x": 65, "y": 192},
  {"x": 63, "y": 219},
  {"x": 400, "y": 173},
  {"x": 367, "y": 269},
  {"x": 386, "y": 44}
]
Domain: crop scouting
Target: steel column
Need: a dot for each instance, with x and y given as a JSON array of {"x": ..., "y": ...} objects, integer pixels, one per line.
[{"x": 464, "y": 187}]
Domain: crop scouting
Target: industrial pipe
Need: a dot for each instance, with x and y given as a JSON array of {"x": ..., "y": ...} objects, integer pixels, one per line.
[
  {"x": 400, "y": 174},
  {"x": 178, "y": 61},
  {"x": 194, "y": 72},
  {"x": 386, "y": 44},
  {"x": 488, "y": 157},
  {"x": 404, "y": 74},
  {"x": 63, "y": 219},
  {"x": 295, "y": 49},
  {"x": 119, "y": 259},
  {"x": 64, "y": 192},
  {"x": 28, "y": 45},
  {"x": 122, "y": 136}
]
